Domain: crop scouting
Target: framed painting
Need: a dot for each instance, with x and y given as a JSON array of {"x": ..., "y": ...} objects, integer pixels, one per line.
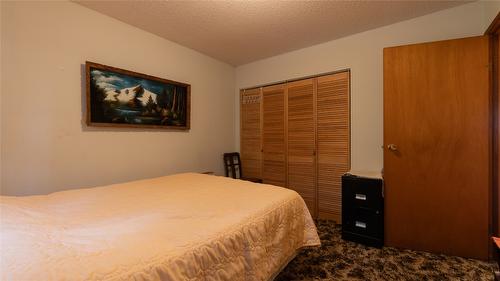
[{"x": 123, "y": 98}]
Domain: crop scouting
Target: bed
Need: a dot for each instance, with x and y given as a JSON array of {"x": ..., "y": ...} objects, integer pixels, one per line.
[{"x": 181, "y": 227}]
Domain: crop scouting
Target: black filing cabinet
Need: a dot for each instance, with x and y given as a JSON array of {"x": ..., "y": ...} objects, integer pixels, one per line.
[{"x": 363, "y": 210}]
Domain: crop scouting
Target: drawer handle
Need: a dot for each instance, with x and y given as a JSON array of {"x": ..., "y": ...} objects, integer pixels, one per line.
[
  {"x": 360, "y": 197},
  {"x": 360, "y": 224}
]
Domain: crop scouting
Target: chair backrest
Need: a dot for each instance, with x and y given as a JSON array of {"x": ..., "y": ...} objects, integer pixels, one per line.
[{"x": 232, "y": 165}]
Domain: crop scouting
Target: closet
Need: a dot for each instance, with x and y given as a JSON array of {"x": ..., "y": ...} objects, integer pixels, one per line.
[
  {"x": 333, "y": 141},
  {"x": 251, "y": 130},
  {"x": 296, "y": 135},
  {"x": 301, "y": 140},
  {"x": 273, "y": 135}
]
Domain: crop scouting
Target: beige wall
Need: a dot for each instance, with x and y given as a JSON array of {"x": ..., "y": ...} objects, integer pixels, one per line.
[
  {"x": 491, "y": 9},
  {"x": 362, "y": 53},
  {"x": 1, "y": 43},
  {"x": 46, "y": 148}
]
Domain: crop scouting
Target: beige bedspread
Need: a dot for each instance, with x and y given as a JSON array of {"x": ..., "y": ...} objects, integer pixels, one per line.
[{"x": 181, "y": 227}]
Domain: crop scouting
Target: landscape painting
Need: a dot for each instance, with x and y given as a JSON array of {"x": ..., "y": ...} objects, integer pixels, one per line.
[{"x": 122, "y": 98}]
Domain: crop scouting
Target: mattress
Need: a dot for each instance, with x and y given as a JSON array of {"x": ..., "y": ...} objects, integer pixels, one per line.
[{"x": 181, "y": 227}]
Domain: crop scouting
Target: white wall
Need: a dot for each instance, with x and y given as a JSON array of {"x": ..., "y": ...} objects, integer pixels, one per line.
[
  {"x": 362, "y": 53},
  {"x": 46, "y": 147},
  {"x": 1, "y": 43},
  {"x": 491, "y": 8}
]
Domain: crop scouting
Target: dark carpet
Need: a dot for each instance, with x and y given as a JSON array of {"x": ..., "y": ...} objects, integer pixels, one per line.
[{"x": 337, "y": 259}]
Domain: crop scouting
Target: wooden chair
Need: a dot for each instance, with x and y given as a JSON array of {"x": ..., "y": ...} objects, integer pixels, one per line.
[{"x": 232, "y": 165}]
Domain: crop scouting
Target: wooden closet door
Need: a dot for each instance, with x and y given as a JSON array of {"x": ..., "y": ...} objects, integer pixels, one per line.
[
  {"x": 437, "y": 146},
  {"x": 273, "y": 136},
  {"x": 301, "y": 141},
  {"x": 251, "y": 132},
  {"x": 333, "y": 141}
]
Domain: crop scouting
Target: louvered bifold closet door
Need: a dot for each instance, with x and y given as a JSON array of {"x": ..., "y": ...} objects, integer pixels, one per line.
[
  {"x": 251, "y": 133},
  {"x": 301, "y": 141},
  {"x": 332, "y": 141},
  {"x": 273, "y": 135}
]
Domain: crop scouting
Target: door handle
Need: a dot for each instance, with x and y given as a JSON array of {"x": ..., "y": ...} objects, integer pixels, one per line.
[{"x": 392, "y": 147}]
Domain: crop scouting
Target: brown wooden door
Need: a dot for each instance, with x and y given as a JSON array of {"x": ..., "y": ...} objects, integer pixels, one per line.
[
  {"x": 333, "y": 142},
  {"x": 251, "y": 132},
  {"x": 496, "y": 189},
  {"x": 273, "y": 135},
  {"x": 437, "y": 175},
  {"x": 494, "y": 32},
  {"x": 301, "y": 141}
]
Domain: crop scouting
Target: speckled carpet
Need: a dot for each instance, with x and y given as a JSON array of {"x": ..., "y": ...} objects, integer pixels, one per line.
[{"x": 337, "y": 259}]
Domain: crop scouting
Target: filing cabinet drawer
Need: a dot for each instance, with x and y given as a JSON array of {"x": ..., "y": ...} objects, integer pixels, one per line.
[
  {"x": 364, "y": 222},
  {"x": 361, "y": 192}
]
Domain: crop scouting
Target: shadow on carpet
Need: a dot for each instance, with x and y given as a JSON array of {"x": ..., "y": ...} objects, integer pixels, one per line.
[{"x": 337, "y": 259}]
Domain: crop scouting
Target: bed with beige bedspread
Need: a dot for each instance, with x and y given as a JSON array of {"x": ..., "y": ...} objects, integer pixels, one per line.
[{"x": 180, "y": 227}]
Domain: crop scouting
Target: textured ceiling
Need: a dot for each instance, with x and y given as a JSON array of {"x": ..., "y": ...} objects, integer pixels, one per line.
[{"x": 239, "y": 32}]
